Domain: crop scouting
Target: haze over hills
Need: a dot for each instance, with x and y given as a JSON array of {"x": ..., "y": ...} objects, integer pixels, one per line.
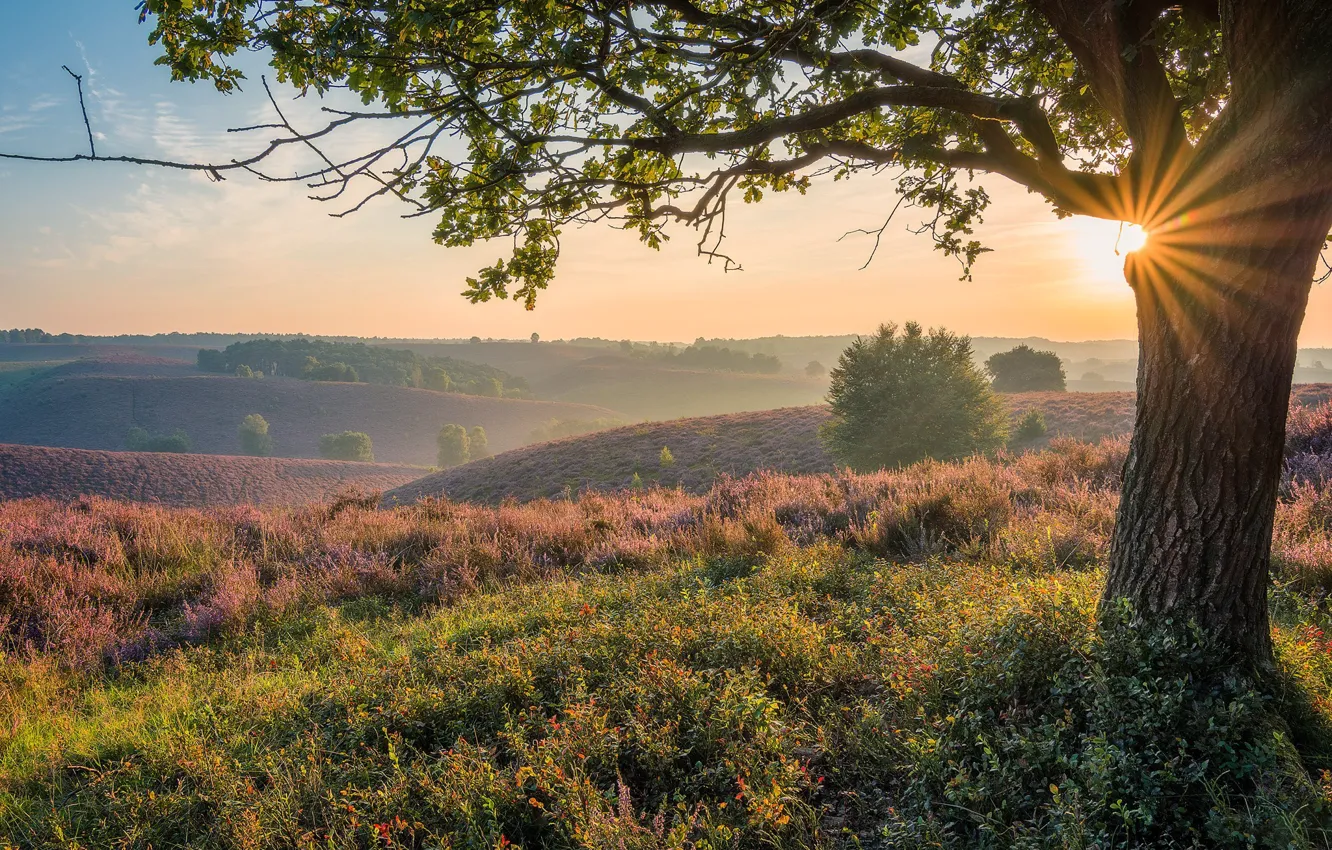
[{"x": 93, "y": 404}]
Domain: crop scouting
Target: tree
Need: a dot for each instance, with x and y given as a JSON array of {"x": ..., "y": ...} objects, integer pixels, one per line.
[
  {"x": 254, "y": 438},
  {"x": 536, "y": 337},
  {"x": 1207, "y": 122},
  {"x": 454, "y": 446},
  {"x": 666, "y": 460},
  {"x": 815, "y": 369},
  {"x": 349, "y": 445},
  {"x": 900, "y": 398},
  {"x": 1024, "y": 369},
  {"x": 480, "y": 445}
]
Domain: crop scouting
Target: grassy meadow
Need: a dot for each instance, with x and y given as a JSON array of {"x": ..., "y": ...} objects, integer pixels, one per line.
[{"x": 898, "y": 659}]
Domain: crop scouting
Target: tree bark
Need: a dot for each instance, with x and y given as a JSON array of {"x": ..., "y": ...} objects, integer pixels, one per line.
[
  {"x": 1217, "y": 346},
  {"x": 1221, "y": 290}
]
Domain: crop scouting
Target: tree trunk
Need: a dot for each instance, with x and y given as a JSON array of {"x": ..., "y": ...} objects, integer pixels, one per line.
[
  {"x": 1221, "y": 291},
  {"x": 1217, "y": 347}
]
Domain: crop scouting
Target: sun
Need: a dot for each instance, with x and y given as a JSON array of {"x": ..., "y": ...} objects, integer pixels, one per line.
[{"x": 1131, "y": 238}]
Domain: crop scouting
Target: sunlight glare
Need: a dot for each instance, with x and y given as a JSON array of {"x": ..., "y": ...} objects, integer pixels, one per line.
[{"x": 1131, "y": 238}]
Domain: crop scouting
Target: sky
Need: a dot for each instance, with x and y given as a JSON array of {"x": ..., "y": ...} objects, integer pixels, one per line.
[{"x": 102, "y": 248}]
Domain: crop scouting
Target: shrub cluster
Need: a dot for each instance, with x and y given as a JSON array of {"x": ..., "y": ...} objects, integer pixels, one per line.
[
  {"x": 349, "y": 445},
  {"x": 140, "y": 440}
]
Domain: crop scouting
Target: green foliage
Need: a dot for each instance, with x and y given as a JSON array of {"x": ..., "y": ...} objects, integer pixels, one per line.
[
  {"x": 666, "y": 460},
  {"x": 480, "y": 445},
  {"x": 349, "y": 445},
  {"x": 436, "y": 378},
  {"x": 254, "y": 437},
  {"x": 320, "y": 360},
  {"x": 900, "y": 398},
  {"x": 536, "y": 337},
  {"x": 336, "y": 372},
  {"x": 1031, "y": 427},
  {"x": 555, "y": 429},
  {"x": 815, "y": 369},
  {"x": 708, "y": 357},
  {"x": 140, "y": 440},
  {"x": 617, "y": 119},
  {"x": 1024, "y": 369},
  {"x": 636, "y": 483},
  {"x": 454, "y": 446},
  {"x": 211, "y": 360}
]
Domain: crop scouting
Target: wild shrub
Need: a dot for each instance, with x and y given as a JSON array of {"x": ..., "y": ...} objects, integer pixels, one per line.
[
  {"x": 140, "y": 440},
  {"x": 898, "y": 398},
  {"x": 349, "y": 445},
  {"x": 1030, "y": 427},
  {"x": 254, "y": 437}
]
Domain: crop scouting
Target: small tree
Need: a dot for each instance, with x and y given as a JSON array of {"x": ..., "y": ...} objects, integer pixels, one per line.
[
  {"x": 667, "y": 460},
  {"x": 900, "y": 398},
  {"x": 815, "y": 369},
  {"x": 480, "y": 445},
  {"x": 254, "y": 438},
  {"x": 536, "y": 337},
  {"x": 349, "y": 445},
  {"x": 1024, "y": 369},
  {"x": 454, "y": 446}
]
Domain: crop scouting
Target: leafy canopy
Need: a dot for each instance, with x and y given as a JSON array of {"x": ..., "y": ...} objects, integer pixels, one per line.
[
  {"x": 898, "y": 398},
  {"x": 1024, "y": 369},
  {"x": 520, "y": 119}
]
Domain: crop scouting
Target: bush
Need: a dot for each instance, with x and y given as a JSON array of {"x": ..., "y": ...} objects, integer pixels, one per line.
[
  {"x": 667, "y": 460},
  {"x": 900, "y": 398},
  {"x": 436, "y": 378},
  {"x": 254, "y": 439},
  {"x": 1032, "y": 427},
  {"x": 1024, "y": 369},
  {"x": 479, "y": 444},
  {"x": 349, "y": 445},
  {"x": 815, "y": 369},
  {"x": 454, "y": 446},
  {"x": 139, "y": 440}
]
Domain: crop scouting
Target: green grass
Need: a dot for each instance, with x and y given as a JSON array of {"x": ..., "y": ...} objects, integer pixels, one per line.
[{"x": 814, "y": 698}]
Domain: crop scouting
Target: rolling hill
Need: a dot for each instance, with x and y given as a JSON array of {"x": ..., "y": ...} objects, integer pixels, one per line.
[
  {"x": 784, "y": 440},
  {"x": 91, "y": 404},
  {"x": 644, "y": 389},
  {"x": 186, "y": 480}
]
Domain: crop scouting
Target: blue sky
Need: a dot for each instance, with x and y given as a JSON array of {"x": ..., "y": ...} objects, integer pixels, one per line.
[{"x": 102, "y": 248}]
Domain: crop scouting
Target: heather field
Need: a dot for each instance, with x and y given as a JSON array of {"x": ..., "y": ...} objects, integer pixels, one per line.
[
  {"x": 783, "y": 440},
  {"x": 902, "y": 659},
  {"x": 187, "y": 480}
]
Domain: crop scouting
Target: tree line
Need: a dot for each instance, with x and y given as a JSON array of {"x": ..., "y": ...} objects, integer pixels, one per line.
[{"x": 321, "y": 360}]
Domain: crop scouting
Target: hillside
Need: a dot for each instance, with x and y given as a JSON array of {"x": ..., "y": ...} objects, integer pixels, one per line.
[
  {"x": 186, "y": 480},
  {"x": 76, "y": 407},
  {"x": 784, "y": 440},
  {"x": 643, "y": 389}
]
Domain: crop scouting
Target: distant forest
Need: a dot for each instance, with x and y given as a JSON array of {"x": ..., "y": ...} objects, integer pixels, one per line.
[{"x": 322, "y": 360}]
